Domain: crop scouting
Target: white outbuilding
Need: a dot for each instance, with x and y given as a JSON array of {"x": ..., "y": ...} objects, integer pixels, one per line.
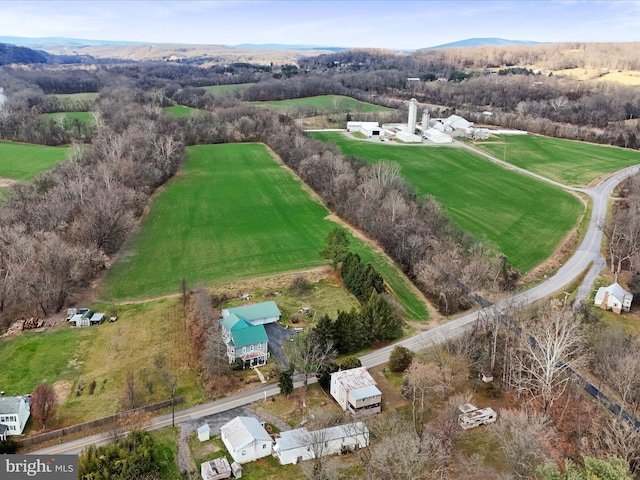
[
  {"x": 368, "y": 129},
  {"x": 356, "y": 392},
  {"x": 408, "y": 137},
  {"x": 436, "y": 136},
  {"x": 456, "y": 122},
  {"x": 246, "y": 439}
]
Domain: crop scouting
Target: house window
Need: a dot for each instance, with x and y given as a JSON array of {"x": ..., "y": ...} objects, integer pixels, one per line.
[
  {"x": 244, "y": 349},
  {"x": 264, "y": 445},
  {"x": 244, "y": 452},
  {"x": 259, "y": 346},
  {"x": 252, "y": 348}
]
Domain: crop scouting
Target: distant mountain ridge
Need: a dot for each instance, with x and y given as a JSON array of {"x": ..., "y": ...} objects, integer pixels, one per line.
[
  {"x": 483, "y": 42},
  {"x": 43, "y": 42}
]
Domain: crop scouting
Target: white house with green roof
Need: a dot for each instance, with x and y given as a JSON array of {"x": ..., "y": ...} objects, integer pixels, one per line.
[
  {"x": 244, "y": 340},
  {"x": 255, "y": 313}
]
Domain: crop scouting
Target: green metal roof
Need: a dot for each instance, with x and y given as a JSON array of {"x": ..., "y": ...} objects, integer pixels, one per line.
[
  {"x": 242, "y": 332},
  {"x": 256, "y": 311}
]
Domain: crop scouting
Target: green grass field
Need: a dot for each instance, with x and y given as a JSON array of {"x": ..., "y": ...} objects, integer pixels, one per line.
[
  {"x": 182, "y": 111},
  {"x": 524, "y": 218},
  {"x": 60, "y": 116},
  {"x": 226, "y": 89},
  {"x": 324, "y": 104},
  {"x": 75, "y": 96},
  {"x": 23, "y": 161},
  {"x": 567, "y": 161},
  {"x": 233, "y": 213}
]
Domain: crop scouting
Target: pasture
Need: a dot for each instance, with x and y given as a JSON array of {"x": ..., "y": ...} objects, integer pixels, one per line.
[
  {"x": 183, "y": 111},
  {"x": 23, "y": 161},
  {"x": 62, "y": 116},
  {"x": 226, "y": 89},
  {"x": 567, "y": 161},
  {"x": 233, "y": 213},
  {"x": 323, "y": 104},
  {"x": 86, "y": 96},
  {"x": 524, "y": 218}
]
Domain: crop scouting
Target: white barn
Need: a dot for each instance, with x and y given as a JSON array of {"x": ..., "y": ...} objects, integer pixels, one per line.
[
  {"x": 368, "y": 129},
  {"x": 437, "y": 136},
  {"x": 246, "y": 439},
  {"x": 14, "y": 413},
  {"x": 408, "y": 137},
  {"x": 356, "y": 392},
  {"x": 614, "y": 298},
  {"x": 294, "y": 446},
  {"x": 456, "y": 121}
]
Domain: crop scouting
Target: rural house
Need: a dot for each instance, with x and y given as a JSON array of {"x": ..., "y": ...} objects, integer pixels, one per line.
[
  {"x": 246, "y": 439},
  {"x": 614, "y": 297},
  {"x": 255, "y": 313},
  {"x": 14, "y": 413},
  {"x": 244, "y": 334},
  {"x": 294, "y": 446},
  {"x": 356, "y": 392}
]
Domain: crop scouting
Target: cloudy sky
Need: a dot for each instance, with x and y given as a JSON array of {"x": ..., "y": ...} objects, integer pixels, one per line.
[{"x": 345, "y": 23}]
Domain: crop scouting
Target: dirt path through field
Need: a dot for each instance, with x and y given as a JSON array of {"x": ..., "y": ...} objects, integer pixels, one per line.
[{"x": 6, "y": 182}]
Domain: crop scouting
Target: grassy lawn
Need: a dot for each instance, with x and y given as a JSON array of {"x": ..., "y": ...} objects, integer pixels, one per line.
[
  {"x": 166, "y": 440},
  {"x": 524, "y": 218},
  {"x": 23, "y": 161},
  {"x": 324, "y": 104},
  {"x": 63, "y": 355},
  {"x": 233, "y": 213},
  {"x": 567, "y": 161}
]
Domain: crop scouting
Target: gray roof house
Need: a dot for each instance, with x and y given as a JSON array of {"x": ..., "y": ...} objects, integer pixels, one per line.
[
  {"x": 246, "y": 439},
  {"x": 614, "y": 297},
  {"x": 14, "y": 413}
]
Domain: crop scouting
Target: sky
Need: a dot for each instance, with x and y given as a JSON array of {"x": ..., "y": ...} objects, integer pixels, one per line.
[{"x": 398, "y": 25}]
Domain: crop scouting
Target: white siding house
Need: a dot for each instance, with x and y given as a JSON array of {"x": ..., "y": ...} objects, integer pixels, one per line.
[
  {"x": 246, "y": 439},
  {"x": 614, "y": 297},
  {"x": 294, "y": 446},
  {"x": 14, "y": 413},
  {"x": 356, "y": 392}
]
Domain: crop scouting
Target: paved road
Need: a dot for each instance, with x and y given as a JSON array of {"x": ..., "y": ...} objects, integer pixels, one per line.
[{"x": 588, "y": 252}]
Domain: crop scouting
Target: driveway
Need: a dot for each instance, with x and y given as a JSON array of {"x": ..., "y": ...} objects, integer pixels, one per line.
[{"x": 277, "y": 336}]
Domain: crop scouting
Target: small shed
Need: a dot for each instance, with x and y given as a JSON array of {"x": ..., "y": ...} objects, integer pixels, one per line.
[
  {"x": 216, "y": 469},
  {"x": 204, "y": 432},
  {"x": 236, "y": 469}
]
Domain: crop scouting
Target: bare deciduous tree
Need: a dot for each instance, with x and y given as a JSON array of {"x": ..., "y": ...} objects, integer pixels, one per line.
[
  {"x": 43, "y": 404},
  {"x": 307, "y": 355}
]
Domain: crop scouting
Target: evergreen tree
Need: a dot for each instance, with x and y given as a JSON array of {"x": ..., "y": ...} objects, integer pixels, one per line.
[
  {"x": 324, "y": 374},
  {"x": 372, "y": 281},
  {"x": 349, "y": 332},
  {"x": 285, "y": 382},
  {"x": 350, "y": 362},
  {"x": 380, "y": 319},
  {"x": 400, "y": 359},
  {"x": 325, "y": 330},
  {"x": 336, "y": 246}
]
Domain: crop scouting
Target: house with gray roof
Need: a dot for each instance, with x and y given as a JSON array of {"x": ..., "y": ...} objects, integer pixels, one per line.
[
  {"x": 246, "y": 439},
  {"x": 614, "y": 297},
  {"x": 294, "y": 446},
  {"x": 356, "y": 392},
  {"x": 14, "y": 413}
]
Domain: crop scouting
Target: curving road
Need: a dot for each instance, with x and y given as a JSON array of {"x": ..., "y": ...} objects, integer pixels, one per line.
[{"x": 588, "y": 253}]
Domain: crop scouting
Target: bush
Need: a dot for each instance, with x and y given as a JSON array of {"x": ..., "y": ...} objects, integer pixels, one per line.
[
  {"x": 8, "y": 446},
  {"x": 238, "y": 364},
  {"x": 92, "y": 387},
  {"x": 400, "y": 359}
]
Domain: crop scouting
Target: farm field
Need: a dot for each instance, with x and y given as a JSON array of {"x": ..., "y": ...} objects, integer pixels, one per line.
[
  {"x": 182, "y": 111},
  {"x": 226, "y": 89},
  {"x": 524, "y": 218},
  {"x": 324, "y": 104},
  {"x": 23, "y": 161},
  {"x": 566, "y": 161},
  {"x": 75, "y": 96},
  {"x": 233, "y": 213},
  {"x": 61, "y": 116}
]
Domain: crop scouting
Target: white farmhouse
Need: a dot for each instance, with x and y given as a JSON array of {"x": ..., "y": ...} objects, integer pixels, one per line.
[
  {"x": 356, "y": 392},
  {"x": 246, "y": 439},
  {"x": 294, "y": 446},
  {"x": 614, "y": 297},
  {"x": 14, "y": 413}
]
